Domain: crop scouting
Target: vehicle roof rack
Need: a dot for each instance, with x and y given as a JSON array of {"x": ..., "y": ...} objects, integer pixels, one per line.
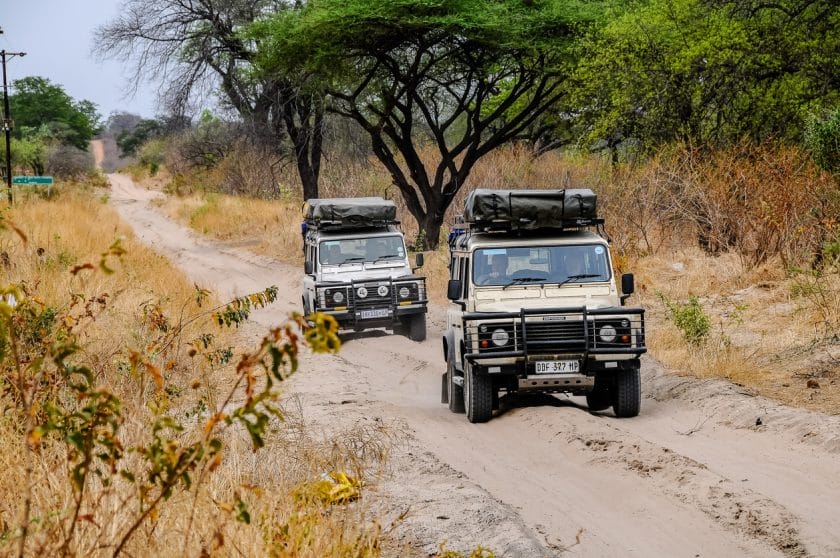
[
  {"x": 526, "y": 210},
  {"x": 350, "y": 213}
]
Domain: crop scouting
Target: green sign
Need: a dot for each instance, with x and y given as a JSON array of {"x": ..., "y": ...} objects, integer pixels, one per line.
[{"x": 48, "y": 180}]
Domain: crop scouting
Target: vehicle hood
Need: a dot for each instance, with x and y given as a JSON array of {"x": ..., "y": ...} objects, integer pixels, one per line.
[
  {"x": 514, "y": 298},
  {"x": 363, "y": 271}
]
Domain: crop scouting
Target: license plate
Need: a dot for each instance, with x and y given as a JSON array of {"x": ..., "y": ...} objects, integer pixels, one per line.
[
  {"x": 375, "y": 313},
  {"x": 557, "y": 366}
]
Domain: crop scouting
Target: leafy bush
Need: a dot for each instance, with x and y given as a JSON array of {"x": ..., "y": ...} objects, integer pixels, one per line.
[
  {"x": 822, "y": 137},
  {"x": 690, "y": 319},
  {"x": 152, "y": 155}
]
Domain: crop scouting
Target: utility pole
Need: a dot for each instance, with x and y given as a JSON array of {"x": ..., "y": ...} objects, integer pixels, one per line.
[{"x": 7, "y": 119}]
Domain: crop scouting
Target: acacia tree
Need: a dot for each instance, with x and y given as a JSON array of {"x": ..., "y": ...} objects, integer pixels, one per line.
[
  {"x": 197, "y": 46},
  {"x": 461, "y": 76},
  {"x": 708, "y": 72}
]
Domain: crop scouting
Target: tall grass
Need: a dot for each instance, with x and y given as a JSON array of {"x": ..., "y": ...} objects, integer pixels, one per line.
[{"x": 151, "y": 348}]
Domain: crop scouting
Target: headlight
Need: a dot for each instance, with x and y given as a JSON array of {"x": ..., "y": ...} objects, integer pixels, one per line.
[
  {"x": 338, "y": 297},
  {"x": 382, "y": 290},
  {"x": 607, "y": 333},
  {"x": 500, "y": 337},
  {"x": 361, "y": 292},
  {"x": 404, "y": 292}
]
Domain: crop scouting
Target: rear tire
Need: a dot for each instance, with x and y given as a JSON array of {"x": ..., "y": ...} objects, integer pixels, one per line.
[
  {"x": 417, "y": 327},
  {"x": 478, "y": 395},
  {"x": 455, "y": 393},
  {"x": 628, "y": 393}
]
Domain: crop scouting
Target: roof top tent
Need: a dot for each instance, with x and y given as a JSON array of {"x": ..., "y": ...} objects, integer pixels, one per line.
[
  {"x": 350, "y": 213},
  {"x": 525, "y": 210}
]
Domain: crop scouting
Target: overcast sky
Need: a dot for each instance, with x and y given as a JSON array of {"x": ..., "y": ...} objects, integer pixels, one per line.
[{"x": 56, "y": 36}]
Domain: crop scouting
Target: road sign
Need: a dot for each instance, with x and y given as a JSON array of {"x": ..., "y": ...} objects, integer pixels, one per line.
[{"x": 46, "y": 180}]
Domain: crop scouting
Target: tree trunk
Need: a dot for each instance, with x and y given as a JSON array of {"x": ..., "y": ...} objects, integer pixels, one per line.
[
  {"x": 430, "y": 225},
  {"x": 304, "y": 120}
]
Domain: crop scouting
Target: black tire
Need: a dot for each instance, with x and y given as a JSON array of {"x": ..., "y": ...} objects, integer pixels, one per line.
[
  {"x": 417, "y": 327},
  {"x": 599, "y": 399},
  {"x": 478, "y": 395},
  {"x": 601, "y": 396},
  {"x": 627, "y": 400},
  {"x": 455, "y": 393}
]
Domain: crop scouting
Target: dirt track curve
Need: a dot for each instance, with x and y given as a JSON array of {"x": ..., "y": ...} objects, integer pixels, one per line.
[{"x": 693, "y": 475}]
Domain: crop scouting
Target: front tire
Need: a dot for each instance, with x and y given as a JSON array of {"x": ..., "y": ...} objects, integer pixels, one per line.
[
  {"x": 455, "y": 393},
  {"x": 478, "y": 395},
  {"x": 601, "y": 397},
  {"x": 627, "y": 399},
  {"x": 417, "y": 327}
]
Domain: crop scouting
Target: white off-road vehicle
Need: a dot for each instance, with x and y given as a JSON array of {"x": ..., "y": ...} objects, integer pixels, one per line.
[
  {"x": 534, "y": 305},
  {"x": 356, "y": 267}
]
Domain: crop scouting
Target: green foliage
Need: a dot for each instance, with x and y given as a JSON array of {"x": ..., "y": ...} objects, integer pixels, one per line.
[
  {"x": 152, "y": 154},
  {"x": 240, "y": 308},
  {"x": 31, "y": 153},
  {"x": 706, "y": 72},
  {"x": 822, "y": 138},
  {"x": 690, "y": 319},
  {"x": 129, "y": 141},
  {"x": 39, "y": 104}
]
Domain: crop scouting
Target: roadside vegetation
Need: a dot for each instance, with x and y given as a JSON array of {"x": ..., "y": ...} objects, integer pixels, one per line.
[{"x": 135, "y": 421}]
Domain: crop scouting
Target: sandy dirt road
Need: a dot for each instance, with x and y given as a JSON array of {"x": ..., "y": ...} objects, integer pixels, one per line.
[{"x": 693, "y": 475}]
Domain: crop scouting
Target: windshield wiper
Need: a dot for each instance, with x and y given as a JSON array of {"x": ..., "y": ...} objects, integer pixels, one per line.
[
  {"x": 519, "y": 280},
  {"x": 387, "y": 257},
  {"x": 353, "y": 259},
  {"x": 576, "y": 277}
]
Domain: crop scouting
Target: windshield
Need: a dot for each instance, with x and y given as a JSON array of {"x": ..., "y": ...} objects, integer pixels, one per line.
[
  {"x": 380, "y": 248},
  {"x": 530, "y": 265}
]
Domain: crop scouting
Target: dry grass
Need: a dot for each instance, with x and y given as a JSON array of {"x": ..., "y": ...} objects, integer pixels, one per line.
[
  {"x": 773, "y": 328},
  {"x": 75, "y": 228},
  {"x": 265, "y": 227}
]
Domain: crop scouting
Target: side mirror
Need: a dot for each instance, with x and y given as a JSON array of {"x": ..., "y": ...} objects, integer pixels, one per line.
[
  {"x": 453, "y": 289},
  {"x": 628, "y": 286},
  {"x": 307, "y": 268},
  {"x": 418, "y": 259}
]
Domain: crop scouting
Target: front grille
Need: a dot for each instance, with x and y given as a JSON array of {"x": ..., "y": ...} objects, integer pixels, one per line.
[
  {"x": 372, "y": 297},
  {"x": 558, "y": 331},
  {"x": 554, "y": 336}
]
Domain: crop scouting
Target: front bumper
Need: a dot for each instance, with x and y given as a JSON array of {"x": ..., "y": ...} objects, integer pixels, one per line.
[
  {"x": 373, "y": 303},
  {"x": 554, "y": 334}
]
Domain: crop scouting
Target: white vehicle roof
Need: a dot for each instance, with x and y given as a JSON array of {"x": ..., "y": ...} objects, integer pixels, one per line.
[
  {"x": 351, "y": 235},
  {"x": 481, "y": 240}
]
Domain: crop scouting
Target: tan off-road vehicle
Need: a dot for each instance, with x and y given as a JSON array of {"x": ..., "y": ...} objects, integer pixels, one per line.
[
  {"x": 534, "y": 305},
  {"x": 356, "y": 267}
]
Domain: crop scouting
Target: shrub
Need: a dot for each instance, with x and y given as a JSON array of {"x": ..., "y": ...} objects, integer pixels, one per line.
[
  {"x": 152, "y": 155},
  {"x": 690, "y": 319}
]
